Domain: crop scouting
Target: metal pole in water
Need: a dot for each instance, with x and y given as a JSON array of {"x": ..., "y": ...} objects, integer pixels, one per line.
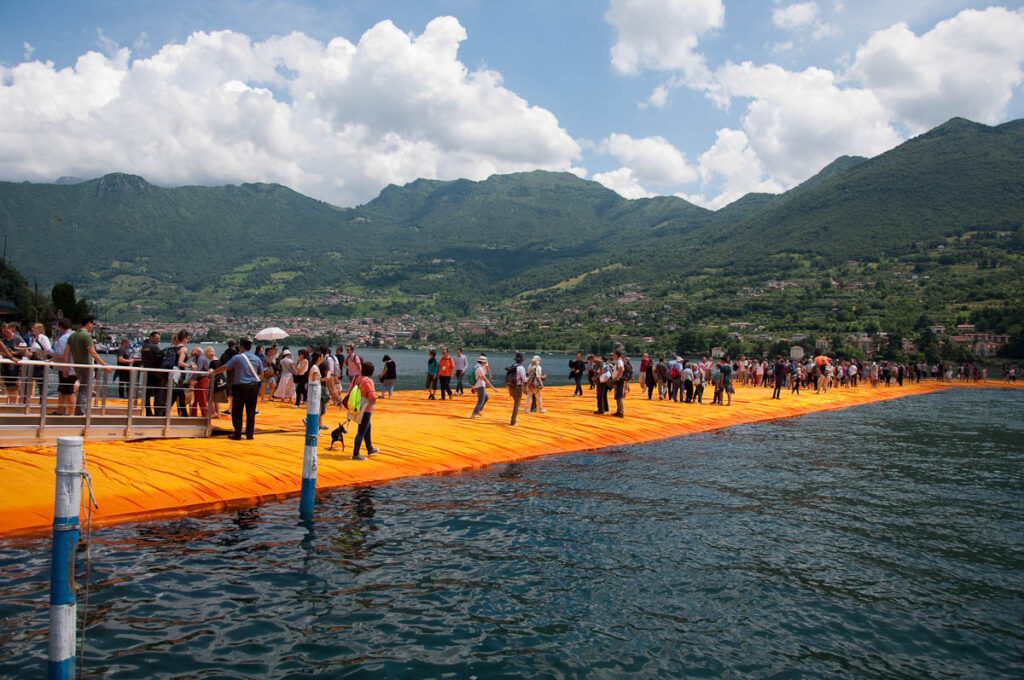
[
  {"x": 309, "y": 451},
  {"x": 63, "y": 607}
]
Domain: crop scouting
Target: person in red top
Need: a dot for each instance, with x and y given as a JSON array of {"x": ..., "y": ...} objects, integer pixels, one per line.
[
  {"x": 446, "y": 369},
  {"x": 369, "y": 397}
]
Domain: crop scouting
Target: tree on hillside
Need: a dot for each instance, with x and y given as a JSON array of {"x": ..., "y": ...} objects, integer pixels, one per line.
[
  {"x": 65, "y": 301},
  {"x": 14, "y": 288}
]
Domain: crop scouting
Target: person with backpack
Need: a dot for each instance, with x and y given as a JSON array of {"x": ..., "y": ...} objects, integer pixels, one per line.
[
  {"x": 661, "y": 376},
  {"x": 176, "y": 359},
  {"x": 515, "y": 378},
  {"x": 388, "y": 377}
]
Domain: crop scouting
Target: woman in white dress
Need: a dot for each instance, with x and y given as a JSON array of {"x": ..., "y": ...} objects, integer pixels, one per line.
[{"x": 286, "y": 383}]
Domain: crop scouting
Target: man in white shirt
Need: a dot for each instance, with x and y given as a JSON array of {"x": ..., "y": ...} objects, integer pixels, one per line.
[
  {"x": 618, "y": 370},
  {"x": 65, "y": 375},
  {"x": 461, "y": 365}
]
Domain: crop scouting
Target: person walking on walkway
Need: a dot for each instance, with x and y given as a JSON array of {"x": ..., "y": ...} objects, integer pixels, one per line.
[
  {"x": 577, "y": 369},
  {"x": 246, "y": 369},
  {"x": 445, "y": 371},
  {"x": 461, "y": 366},
  {"x": 515, "y": 383},
  {"x": 364, "y": 383},
  {"x": 480, "y": 385},
  {"x": 603, "y": 382},
  {"x": 432, "y": 370}
]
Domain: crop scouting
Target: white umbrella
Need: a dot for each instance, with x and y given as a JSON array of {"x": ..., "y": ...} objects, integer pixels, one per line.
[{"x": 272, "y": 333}]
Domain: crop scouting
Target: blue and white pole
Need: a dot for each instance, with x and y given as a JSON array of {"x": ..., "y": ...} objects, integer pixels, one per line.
[
  {"x": 309, "y": 451},
  {"x": 63, "y": 607}
]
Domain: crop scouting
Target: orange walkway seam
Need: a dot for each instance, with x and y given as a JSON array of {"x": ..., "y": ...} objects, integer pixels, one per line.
[{"x": 174, "y": 477}]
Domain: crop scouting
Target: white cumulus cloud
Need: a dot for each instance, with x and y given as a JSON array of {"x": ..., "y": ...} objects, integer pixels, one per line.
[
  {"x": 732, "y": 166},
  {"x": 652, "y": 159},
  {"x": 798, "y": 122},
  {"x": 623, "y": 181},
  {"x": 337, "y": 121},
  {"x": 804, "y": 18},
  {"x": 796, "y": 16},
  {"x": 662, "y": 35},
  {"x": 969, "y": 65}
]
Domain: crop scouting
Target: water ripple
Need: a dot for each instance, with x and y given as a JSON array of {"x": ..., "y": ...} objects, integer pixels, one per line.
[{"x": 882, "y": 541}]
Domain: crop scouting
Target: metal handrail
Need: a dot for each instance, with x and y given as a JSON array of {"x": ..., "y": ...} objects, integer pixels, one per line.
[
  {"x": 114, "y": 367},
  {"x": 131, "y": 419}
]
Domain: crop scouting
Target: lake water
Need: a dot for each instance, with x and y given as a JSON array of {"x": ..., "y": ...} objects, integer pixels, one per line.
[{"x": 877, "y": 542}]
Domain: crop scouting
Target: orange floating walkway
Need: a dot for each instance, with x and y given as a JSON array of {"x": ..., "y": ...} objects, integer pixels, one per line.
[{"x": 173, "y": 477}]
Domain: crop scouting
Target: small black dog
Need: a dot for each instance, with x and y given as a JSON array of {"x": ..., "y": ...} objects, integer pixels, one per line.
[{"x": 338, "y": 436}]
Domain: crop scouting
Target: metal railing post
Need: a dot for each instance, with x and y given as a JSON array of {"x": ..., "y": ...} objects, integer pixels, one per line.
[
  {"x": 43, "y": 404},
  {"x": 104, "y": 388},
  {"x": 131, "y": 405},
  {"x": 88, "y": 401},
  {"x": 167, "y": 403}
]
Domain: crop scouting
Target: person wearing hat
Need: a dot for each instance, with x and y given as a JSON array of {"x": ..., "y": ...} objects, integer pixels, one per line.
[
  {"x": 481, "y": 384},
  {"x": 515, "y": 388},
  {"x": 286, "y": 383},
  {"x": 388, "y": 377}
]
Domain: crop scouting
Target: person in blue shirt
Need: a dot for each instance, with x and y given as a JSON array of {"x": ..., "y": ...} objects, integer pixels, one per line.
[{"x": 246, "y": 369}]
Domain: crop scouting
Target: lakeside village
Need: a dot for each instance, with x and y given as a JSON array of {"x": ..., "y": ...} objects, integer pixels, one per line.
[{"x": 961, "y": 343}]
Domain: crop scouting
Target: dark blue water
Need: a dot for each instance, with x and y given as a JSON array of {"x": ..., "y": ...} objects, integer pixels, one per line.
[{"x": 883, "y": 541}]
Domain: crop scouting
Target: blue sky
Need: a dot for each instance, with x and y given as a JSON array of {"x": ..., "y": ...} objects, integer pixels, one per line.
[{"x": 706, "y": 99}]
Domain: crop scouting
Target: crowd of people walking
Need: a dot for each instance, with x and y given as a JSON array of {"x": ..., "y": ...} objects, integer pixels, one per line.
[{"x": 196, "y": 382}]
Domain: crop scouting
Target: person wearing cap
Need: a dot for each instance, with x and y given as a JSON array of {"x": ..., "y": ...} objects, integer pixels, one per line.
[
  {"x": 515, "y": 390},
  {"x": 481, "y": 384}
]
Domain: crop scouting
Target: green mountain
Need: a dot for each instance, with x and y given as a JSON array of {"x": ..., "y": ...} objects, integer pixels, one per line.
[{"x": 933, "y": 224}]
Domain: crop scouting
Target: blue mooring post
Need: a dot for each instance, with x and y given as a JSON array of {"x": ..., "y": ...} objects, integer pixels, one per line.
[
  {"x": 309, "y": 451},
  {"x": 63, "y": 607}
]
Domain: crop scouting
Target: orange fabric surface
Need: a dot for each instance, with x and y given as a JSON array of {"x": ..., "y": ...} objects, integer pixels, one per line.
[{"x": 155, "y": 478}]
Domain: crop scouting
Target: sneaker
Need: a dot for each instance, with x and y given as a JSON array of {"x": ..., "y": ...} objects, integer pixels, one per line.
[
  {"x": 358, "y": 458},
  {"x": 225, "y": 413},
  {"x": 324, "y": 427},
  {"x": 235, "y": 437},
  {"x": 543, "y": 410},
  {"x": 374, "y": 451}
]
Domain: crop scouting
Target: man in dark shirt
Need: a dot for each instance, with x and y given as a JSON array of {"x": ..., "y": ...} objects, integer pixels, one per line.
[
  {"x": 152, "y": 357},
  {"x": 780, "y": 371},
  {"x": 577, "y": 367}
]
